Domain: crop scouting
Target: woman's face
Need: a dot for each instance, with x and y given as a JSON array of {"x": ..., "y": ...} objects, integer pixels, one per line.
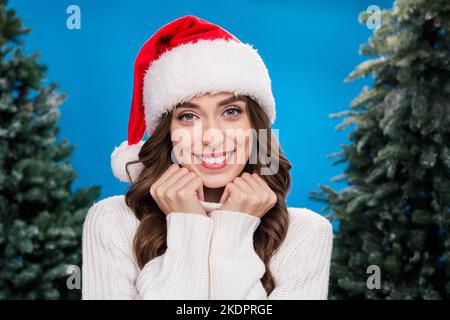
[{"x": 211, "y": 135}]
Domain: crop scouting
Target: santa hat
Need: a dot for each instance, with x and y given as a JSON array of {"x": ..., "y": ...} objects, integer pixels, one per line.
[{"x": 186, "y": 58}]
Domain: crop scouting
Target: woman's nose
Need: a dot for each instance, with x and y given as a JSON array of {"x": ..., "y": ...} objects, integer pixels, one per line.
[
  {"x": 210, "y": 123},
  {"x": 213, "y": 133}
]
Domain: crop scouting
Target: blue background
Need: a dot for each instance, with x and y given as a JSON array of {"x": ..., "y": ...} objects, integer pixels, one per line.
[{"x": 308, "y": 47}]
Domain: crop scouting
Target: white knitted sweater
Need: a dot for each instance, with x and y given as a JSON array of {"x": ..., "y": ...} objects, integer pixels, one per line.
[{"x": 206, "y": 257}]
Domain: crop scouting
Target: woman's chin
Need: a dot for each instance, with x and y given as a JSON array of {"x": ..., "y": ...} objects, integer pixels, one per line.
[
  {"x": 218, "y": 180},
  {"x": 214, "y": 182}
]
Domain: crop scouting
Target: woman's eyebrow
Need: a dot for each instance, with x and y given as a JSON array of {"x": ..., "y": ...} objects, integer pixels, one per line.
[
  {"x": 231, "y": 99},
  {"x": 221, "y": 103}
]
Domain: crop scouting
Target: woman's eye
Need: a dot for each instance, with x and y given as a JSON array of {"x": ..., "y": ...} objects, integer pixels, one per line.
[
  {"x": 232, "y": 112},
  {"x": 186, "y": 117}
]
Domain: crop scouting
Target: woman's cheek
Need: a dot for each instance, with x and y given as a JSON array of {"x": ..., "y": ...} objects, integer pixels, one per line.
[{"x": 182, "y": 145}]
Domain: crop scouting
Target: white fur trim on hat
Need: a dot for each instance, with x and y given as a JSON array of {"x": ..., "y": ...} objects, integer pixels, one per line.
[
  {"x": 206, "y": 66},
  {"x": 123, "y": 154}
]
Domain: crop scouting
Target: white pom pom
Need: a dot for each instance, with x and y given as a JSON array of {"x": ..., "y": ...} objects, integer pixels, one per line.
[{"x": 123, "y": 154}]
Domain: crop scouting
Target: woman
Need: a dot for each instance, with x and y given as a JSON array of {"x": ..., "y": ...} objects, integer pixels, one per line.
[{"x": 205, "y": 215}]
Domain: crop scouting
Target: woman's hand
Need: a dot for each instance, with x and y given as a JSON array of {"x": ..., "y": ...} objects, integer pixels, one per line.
[
  {"x": 178, "y": 190},
  {"x": 248, "y": 193}
]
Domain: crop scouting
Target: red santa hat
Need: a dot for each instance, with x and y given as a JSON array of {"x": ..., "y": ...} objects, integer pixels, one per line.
[{"x": 186, "y": 58}]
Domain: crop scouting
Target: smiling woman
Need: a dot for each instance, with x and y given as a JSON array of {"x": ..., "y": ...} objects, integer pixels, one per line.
[
  {"x": 200, "y": 219},
  {"x": 219, "y": 151}
]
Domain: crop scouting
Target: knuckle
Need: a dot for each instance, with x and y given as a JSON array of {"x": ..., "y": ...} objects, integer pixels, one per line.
[
  {"x": 265, "y": 198},
  {"x": 274, "y": 198},
  {"x": 191, "y": 175},
  {"x": 184, "y": 170},
  {"x": 159, "y": 192},
  {"x": 170, "y": 195},
  {"x": 182, "y": 194}
]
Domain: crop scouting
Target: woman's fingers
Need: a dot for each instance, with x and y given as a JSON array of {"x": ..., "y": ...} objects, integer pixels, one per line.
[
  {"x": 201, "y": 194},
  {"x": 247, "y": 194},
  {"x": 243, "y": 185},
  {"x": 195, "y": 185},
  {"x": 170, "y": 181},
  {"x": 167, "y": 174},
  {"x": 178, "y": 190},
  {"x": 272, "y": 195},
  {"x": 243, "y": 188},
  {"x": 159, "y": 188},
  {"x": 178, "y": 184},
  {"x": 253, "y": 183},
  {"x": 261, "y": 181},
  {"x": 183, "y": 183},
  {"x": 225, "y": 194},
  {"x": 230, "y": 189}
]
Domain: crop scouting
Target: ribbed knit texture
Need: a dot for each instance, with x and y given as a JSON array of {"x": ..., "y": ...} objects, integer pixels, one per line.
[{"x": 206, "y": 257}]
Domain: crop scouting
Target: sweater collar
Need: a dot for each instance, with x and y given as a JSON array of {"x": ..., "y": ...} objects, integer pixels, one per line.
[{"x": 210, "y": 206}]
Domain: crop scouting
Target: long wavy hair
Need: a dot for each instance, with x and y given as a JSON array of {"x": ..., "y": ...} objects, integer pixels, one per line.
[{"x": 155, "y": 156}]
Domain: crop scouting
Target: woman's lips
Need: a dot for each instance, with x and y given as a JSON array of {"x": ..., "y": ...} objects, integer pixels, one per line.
[{"x": 215, "y": 160}]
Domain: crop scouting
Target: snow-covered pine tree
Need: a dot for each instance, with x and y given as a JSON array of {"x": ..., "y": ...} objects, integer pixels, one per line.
[
  {"x": 395, "y": 212},
  {"x": 40, "y": 218}
]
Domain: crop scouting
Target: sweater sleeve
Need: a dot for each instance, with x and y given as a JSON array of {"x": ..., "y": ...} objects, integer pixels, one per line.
[
  {"x": 237, "y": 269},
  {"x": 108, "y": 270},
  {"x": 182, "y": 271}
]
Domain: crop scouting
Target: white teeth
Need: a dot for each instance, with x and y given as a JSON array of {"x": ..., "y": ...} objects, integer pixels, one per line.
[{"x": 214, "y": 160}]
